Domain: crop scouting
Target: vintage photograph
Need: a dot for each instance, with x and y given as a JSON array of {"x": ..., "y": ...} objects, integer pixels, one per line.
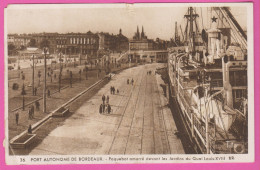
[{"x": 128, "y": 80}]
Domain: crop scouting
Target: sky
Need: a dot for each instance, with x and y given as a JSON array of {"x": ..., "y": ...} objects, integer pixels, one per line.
[{"x": 157, "y": 20}]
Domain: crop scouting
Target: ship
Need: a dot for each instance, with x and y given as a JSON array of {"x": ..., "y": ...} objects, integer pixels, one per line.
[{"x": 207, "y": 74}]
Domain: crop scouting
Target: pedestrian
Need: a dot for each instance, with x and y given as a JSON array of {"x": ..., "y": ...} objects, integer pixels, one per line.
[
  {"x": 49, "y": 93},
  {"x": 35, "y": 91},
  {"x": 111, "y": 90},
  {"x": 107, "y": 99},
  {"x": 108, "y": 109},
  {"x": 29, "y": 113},
  {"x": 100, "y": 108},
  {"x": 132, "y": 81},
  {"x": 17, "y": 117},
  {"x": 32, "y": 110},
  {"x": 37, "y": 105},
  {"x": 117, "y": 91},
  {"x": 103, "y": 108},
  {"x": 103, "y": 99},
  {"x": 127, "y": 81},
  {"x": 30, "y": 129}
]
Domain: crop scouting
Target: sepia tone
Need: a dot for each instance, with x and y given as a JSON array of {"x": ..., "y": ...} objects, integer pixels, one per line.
[{"x": 77, "y": 91}]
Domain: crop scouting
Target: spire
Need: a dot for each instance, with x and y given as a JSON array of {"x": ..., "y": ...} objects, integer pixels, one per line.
[
  {"x": 142, "y": 34},
  {"x": 137, "y": 33}
]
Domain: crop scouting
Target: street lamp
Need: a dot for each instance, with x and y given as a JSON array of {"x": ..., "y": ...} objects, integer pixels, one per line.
[
  {"x": 45, "y": 52},
  {"x": 23, "y": 90},
  {"x": 60, "y": 73},
  {"x": 33, "y": 92}
]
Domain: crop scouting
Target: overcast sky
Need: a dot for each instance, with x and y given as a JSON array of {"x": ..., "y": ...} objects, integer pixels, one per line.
[{"x": 157, "y": 21}]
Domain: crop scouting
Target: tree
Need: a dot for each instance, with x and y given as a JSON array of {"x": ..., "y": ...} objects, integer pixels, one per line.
[
  {"x": 11, "y": 49},
  {"x": 44, "y": 43},
  {"x": 32, "y": 43},
  {"x": 22, "y": 47}
]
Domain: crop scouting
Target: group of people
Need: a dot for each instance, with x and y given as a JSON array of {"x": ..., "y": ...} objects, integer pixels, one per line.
[
  {"x": 105, "y": 106},
  {"x": 113, "y": 90},
  {"x": 132, "y": 81},
  {"x": 149, "y": 72},
  {"x": 31, "y": 112}
]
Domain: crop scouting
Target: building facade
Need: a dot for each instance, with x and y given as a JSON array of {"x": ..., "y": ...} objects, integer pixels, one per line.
[
  {"x": 141, "y": 42},
  {"x": 78, "y": 43},
  {"x": 89, "y": 44},
  {"x": 142, "y": 49}
]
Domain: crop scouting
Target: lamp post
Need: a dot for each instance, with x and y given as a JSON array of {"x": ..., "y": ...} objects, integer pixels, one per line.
[
  {"x": 33, "y": 76},
  {"x": 23, "y": 90},
  {"x": 60, "y": 73},
  {"x": 45, "y": 51}
]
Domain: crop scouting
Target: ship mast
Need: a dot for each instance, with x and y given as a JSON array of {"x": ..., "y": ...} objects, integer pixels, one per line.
[{"x": 191, "y": 17}]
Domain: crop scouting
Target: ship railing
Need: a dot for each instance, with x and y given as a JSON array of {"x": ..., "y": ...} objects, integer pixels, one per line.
[
  {"x": 200, "y": 134},
  {"x": 186, "y": 105},
  {"x": 196, "y": 125}
]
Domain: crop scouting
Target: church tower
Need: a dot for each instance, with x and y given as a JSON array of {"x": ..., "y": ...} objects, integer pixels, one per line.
[
  {"x": 137, "y": 33},
  {"x": 142, "y": 34}
]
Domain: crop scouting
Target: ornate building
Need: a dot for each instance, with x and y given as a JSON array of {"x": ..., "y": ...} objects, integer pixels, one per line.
[
  {"x": 140, "y": 41},
  {"x": 114, "y": 43},
  {"x": 142, "y": 49}
]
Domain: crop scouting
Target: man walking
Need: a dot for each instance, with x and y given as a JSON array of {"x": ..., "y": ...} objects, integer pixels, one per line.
[
  {"x": 103, "y": 99},
  {"x": 35, "y": 91},
  {"x": 49, "y": 93},
  {"x": 30, "y": 129},
  {"x": 17, "y": 117},
  {"x": 107, "y": 99},
  {"x": 111, "y": 90},
  {"x": 108, "y": 109},
  {"x": 32, "y": 111},
  {"x": 100, "y": 108},
  {"x": 29, "y": 113},
  {"x": 103, "y": 108},
  {"x": 37, "y": 105}
]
